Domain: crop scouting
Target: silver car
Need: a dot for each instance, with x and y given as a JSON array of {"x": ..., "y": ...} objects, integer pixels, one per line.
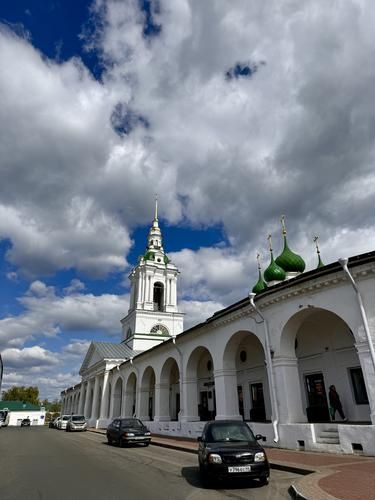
[
  {"x": 76, "y": 423},
  {"x": 61, "y": 424}
]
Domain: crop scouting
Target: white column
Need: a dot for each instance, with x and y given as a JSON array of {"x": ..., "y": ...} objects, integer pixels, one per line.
[
  {"x": 288, "y": 390},
  {"x": 95, "y": 399},
  {"x": 104, "y": 397},
  {"x": 190, "y": 400},
  {"x": 162, "y": 403},
  {"x": 87, "y": 399},
  {"x": 367, "y": 366},
  {"x": 226, "y": 395}
]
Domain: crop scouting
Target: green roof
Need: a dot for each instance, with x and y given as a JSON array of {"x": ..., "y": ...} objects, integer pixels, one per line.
[
  {"x": 274, "y": 272},
  {"x": 261, "y": 285},
  {"x": 290, "y": 261},
  {"x": 18, "y": 406}
]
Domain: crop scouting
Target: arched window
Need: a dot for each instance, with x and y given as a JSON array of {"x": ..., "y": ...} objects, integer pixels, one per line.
[
  {"x": 159, "y": 329},
  {"x": 159, "y": 297}
]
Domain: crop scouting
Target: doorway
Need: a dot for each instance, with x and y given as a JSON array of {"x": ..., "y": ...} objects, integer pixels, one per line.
[
  {"x": 258, "y": 408},
  {"x": 317, "y": 409}
]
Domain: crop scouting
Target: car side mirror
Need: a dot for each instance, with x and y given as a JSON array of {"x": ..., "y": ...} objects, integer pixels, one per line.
[
  {"x": 199, "y": 439},
  {"x": 259, "y": 437}
]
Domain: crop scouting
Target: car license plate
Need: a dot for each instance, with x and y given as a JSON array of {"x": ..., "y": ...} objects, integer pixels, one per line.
[{"x": 240, "y": 468}]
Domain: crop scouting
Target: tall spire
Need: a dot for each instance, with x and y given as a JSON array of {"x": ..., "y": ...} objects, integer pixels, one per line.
[
  {"x": 320, "y": 263},
  {"x": 156, "y": 207},
  {"x": 155, "y": 222},
  {"x": 155, "y": 251}
]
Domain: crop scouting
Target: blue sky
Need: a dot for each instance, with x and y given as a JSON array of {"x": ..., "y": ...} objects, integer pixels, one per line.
[{"x": 233, "y": 114}]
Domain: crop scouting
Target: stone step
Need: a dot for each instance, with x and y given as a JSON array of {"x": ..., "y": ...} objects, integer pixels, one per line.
[
  {"x": 328, "y": 447},
  {"x": 328, "y": 434},
  {"x": 328, "y": 440}
]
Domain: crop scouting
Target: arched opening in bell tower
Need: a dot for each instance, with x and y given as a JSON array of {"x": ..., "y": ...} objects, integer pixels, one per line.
[{"x": 158, "y": 296}]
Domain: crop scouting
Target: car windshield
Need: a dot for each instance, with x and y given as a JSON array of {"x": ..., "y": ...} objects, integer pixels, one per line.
[
  {"x": 65, "y": 417},
  {"x": 78, "y": 418},
  {"x": 131, "y": 422},
  {"x": 229, "y": 432}
]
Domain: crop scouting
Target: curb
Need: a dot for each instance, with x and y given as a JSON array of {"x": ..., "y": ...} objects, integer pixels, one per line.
[{"x": 295, "y": 494}]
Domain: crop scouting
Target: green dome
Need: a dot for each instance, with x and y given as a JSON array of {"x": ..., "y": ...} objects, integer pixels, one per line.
[
  {"x": 261, "y": 285},
  {"x": 290, "y": 261},
  {"x": 274, "y": 272},
  {"x": 320, "y": 263}
]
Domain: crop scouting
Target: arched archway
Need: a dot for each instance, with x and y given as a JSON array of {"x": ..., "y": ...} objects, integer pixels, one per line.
[
  {"x": 117, "y": 398},
  {"x": 169, "y": 391},
  {"x": 147, "y": 395},
  {"x": 246, "y": 376},
  {"x": 320, "y": 347},
  {"x": 131, "y": 395},
  {"x": 200, "y": 385}
]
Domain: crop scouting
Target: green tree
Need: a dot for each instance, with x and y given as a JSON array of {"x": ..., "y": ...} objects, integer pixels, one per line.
[{"x": 22, "y": 393}]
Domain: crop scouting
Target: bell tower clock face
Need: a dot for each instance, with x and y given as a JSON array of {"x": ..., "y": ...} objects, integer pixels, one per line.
[{"x": 159, "y": 329}]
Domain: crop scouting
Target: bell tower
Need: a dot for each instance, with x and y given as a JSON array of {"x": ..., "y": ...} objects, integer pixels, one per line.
[{"x": 153, "y": 315}]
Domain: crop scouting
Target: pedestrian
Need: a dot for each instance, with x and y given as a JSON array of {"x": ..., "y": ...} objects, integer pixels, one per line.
[{"x": 335, "y": 403}]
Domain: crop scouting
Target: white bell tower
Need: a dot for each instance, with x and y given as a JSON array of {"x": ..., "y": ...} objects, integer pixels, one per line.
[{"x": 153, "y": 314}]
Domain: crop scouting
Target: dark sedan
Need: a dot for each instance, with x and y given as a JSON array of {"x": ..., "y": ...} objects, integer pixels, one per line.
[
  {"x": 124, "y": 431},
  {"x": 229, "y": 449}
]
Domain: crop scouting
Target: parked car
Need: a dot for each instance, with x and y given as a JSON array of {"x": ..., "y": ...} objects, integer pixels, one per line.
[
  {"x": 76, "y": 423},
  {"x": 25, "y": 422},
  {"x": 228, "y": 449},
  {"x": 61, "y": 424},
  {"x": 124, "y": 431},
  {"x": 53, "y": 423}
]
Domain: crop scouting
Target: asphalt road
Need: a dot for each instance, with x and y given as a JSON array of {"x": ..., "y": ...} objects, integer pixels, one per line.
[{"x": 47, "y": 464}]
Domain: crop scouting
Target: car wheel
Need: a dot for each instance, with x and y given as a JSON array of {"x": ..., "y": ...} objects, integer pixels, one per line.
[
  {"x": 146, "y": 444},
  {"x": 264, "y": 481},
  {"x": 204, "y": 477},
  {"x": 109, "y": 439}
]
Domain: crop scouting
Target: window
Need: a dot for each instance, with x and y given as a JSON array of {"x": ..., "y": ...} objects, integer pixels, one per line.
[
  {"x": 359, "y": 388},
  {"x": 159, "y": 329},
  {"x": 158, "y": 298}
]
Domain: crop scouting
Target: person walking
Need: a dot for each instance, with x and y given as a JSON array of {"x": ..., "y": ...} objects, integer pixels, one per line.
[{"x": 335, "y": 403}]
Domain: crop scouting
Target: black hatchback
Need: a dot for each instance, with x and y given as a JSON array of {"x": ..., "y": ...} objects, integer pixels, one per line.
[
  {"x": 228, "y": 449},
  {"x": 125, "y": 431}
]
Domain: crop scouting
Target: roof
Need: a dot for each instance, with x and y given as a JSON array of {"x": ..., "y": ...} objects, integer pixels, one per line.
[
  {"x": 99, "y": 351},
  {"x": 111, "y": 350},
  {"x": 18, "y": 406}
]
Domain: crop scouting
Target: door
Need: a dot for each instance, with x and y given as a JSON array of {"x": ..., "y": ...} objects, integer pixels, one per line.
[
  {"x": 317, "y": 410},
  {"x": 258, "y": 408}
]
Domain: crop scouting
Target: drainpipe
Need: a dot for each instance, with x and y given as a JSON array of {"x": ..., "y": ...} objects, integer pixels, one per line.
[
  {"x": 275, "y": 421},
  {"x": 344, "y": 264},
  {"x": 181, "y": 379}
]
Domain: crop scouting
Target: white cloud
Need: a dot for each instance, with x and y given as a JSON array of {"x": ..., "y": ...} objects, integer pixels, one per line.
[
  {"x": 28, "y": 357},
  {"x": 48, "y": 314}
]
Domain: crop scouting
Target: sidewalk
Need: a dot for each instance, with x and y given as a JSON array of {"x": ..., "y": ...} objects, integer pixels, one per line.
[{"x": 324, "y": 476}]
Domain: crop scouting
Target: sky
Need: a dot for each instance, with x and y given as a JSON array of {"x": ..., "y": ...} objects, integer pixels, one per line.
[{"x": 234, "y": 113}]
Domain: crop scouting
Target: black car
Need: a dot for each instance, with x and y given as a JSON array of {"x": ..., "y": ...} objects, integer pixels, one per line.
[
  {"x": 228, "y": 449},
  {"x": 25, "y": 422},
  {"x": 125, "y": 431}
]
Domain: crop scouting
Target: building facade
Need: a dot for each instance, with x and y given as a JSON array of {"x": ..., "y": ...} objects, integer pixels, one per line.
[{"x": 268, "y": 359}]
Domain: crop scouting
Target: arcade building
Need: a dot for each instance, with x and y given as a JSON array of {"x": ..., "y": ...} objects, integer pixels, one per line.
[{"x": 268, "y": 359}]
